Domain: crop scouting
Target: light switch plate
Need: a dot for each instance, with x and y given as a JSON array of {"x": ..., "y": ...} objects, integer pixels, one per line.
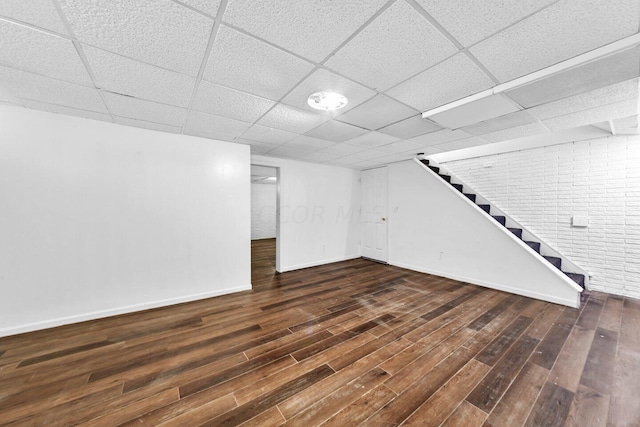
[{"x": 580, "y": 221}]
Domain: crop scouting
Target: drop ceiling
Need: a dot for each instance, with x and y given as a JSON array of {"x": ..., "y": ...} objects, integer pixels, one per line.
[{"x": 241, "y": 70}]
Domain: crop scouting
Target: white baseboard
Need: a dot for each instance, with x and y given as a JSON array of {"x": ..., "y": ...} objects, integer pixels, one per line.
[
  {"x": 317, "y": 263},
  {"x": 76, "y": 318},
  {"x": 569, "y": 302}
]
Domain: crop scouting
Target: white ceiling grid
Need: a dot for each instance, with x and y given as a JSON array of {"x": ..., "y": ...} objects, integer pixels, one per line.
[{"x": 241, "y": 70}]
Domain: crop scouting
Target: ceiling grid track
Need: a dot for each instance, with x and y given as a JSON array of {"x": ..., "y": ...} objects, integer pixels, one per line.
[
  {"x": 395, "y": 61},
  {"x": 214, "y": 32}
]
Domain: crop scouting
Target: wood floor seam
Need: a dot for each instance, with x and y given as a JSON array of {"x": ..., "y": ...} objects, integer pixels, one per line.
[{"x": 347, "y": 343}]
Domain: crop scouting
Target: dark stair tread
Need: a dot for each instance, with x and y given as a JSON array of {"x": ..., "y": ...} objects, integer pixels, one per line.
[
  {"x": 534, "y": 245},
  {"x": 501, "y": 219},
  {"x": 578, "y": 278},
  {"x": 485, "y": 208},
  {"x": 457, "y": 187},
  {"x": 435, "y": 169},
  {"x": 517, "y": 232},
  {"x": 425, "y": 161},
  {"x": 445, "y": 177},
  {"x": 557, "y": 262},
  {"x": 470, "y": 196}
]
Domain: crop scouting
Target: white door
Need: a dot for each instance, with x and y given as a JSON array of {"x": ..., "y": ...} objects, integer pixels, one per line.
[{"x": 374, "y": 214}]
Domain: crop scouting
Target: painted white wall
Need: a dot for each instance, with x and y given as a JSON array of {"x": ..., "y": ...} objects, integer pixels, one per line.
[
  {"x": 319, "y": 221},
  {"x": 99, "y": 219},
  {"x": 543, "y": 188},
  {"x": 435, "y": 229},
  {"x": 263, "y": 211}
]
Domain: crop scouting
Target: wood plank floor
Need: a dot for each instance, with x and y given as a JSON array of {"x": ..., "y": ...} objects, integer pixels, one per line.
[{"x": 345, "y": 344}]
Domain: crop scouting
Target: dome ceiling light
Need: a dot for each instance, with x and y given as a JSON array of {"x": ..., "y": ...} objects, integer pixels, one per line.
[{"x": 327, "y": 101}]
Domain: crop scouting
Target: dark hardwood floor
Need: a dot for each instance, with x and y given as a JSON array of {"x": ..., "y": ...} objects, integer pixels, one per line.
[{"x": 345, "y": 344}]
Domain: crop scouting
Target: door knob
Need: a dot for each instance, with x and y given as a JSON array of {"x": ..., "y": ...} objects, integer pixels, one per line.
[{"x": 384, "y": 219}]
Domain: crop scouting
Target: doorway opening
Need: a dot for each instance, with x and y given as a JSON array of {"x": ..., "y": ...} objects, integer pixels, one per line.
[{"x": 264, "y": 224}]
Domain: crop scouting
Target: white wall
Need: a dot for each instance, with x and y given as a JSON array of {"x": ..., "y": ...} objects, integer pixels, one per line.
[
  {"x": 263, "y": 211},
  {"x": 319, "y": 220},
  {"x": 99, "y": 219},
  {"x": 435, "y": 229},
  {"x": 543, "y": 188}
]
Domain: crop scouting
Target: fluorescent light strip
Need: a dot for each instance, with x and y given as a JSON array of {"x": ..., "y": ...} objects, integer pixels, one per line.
[{"x": 576, "y": 61}]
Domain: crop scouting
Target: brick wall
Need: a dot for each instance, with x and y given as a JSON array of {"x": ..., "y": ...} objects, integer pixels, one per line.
[
  {"x": 543, "y": 188},
  {"x": 263, "y": 211}
]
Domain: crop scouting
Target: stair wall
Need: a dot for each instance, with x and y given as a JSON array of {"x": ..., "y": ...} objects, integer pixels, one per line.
[
  {"x": 543, "y": 188},
  {"x": 524, "y": 234},
  {"x": 435, "y": 230}
]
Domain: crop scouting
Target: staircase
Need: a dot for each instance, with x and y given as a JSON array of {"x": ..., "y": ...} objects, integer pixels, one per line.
[{"x": 519, "y": 232}]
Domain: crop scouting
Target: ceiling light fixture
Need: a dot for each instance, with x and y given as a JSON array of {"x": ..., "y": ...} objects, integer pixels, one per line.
[{"x": 327, "y": 101}]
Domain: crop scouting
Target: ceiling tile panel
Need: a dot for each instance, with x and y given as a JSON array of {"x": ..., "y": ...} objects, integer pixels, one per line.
[
  {"x": 5, "y": 97},
  {"x": 410, "y": 128},
  {"x": 561, "y": 31},
  {"x": 318, "y": 156},
  {"x": 38, "y": 52},
  {"x": 439, "y": 137},
  {"x": 340, "y": 150},
  {"x": 247, "y": 64},
  {"x": 291, "y": 119},
  {"x": 59, "y": 109},
  {"x": 401, "y": 147},
  {"x": 372, "y": 140},
  {"x": 37, "y": 88},
  {"x": 144, "y": 57},
  {"x": 134, "y": 108},
  {"x": 225, "y": 102},
  {"x": 430, "y": 150},
  {"x": 290, "y": 150},
  {"x": 209, "y": 7},
  {"x": 367, "y": 164},
  {"x": 16, "y": 103},
  {"x": 397, "y": 45},
  {"x": 336, "y": 131},
  {"x": 39, "y": 13},
  {"x": 256, "y": 146},
  {"x": 324, "y": 80},
  {"x": 471, "y": 21},
  {"x": 448, "y": 81},
  {"x": 359, "y": 157},
  {"x": 214, "y": 127},
  {"x": 594, "y": 115},
  {"x": 460, "y": 144},
  {"x": 126, "y": 121},
  {"x": 602, "y": 96},
  {"x": 158, "y": 32},
  {"x": 518, "y": 118},
  {"x": 475, "y": 112},
  {"x": 388, "y": 158},
  {"x": 604, "y": 72},
  {"x": 268, "y": 135},
  {"x": 310, "y": 143},
  {"x": 515, "y": 132},
  {"x": 377, "y": 112},
  {"x": 309, "y": 28},
  {"x": 116, "y": 73}
]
